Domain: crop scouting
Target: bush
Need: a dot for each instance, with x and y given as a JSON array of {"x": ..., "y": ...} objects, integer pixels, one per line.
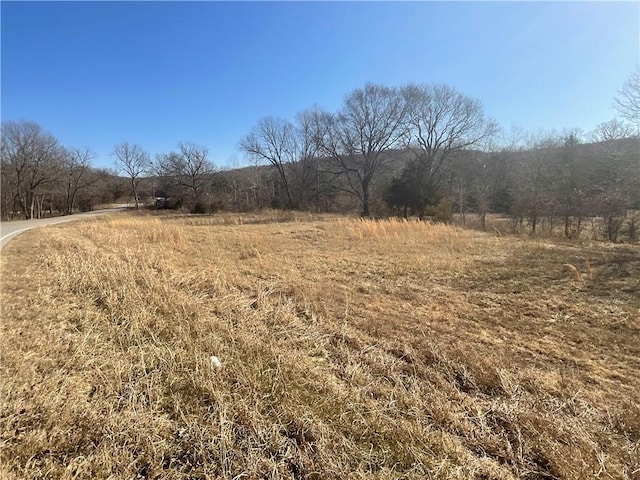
[
  {"x": 631, "y": 227},
  {"x": 199, "y": 207},
  {"x": 206, "y": 207},
  {"x": 442, "y": 212}
]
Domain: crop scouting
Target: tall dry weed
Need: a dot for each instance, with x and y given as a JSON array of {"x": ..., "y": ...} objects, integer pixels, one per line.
[
  {"x": 587, "y": 267},
  {"x": 572, "y": 270}
]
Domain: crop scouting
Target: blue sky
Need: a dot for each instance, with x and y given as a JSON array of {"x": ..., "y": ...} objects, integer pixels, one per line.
[{"x": 156, "y": 73}]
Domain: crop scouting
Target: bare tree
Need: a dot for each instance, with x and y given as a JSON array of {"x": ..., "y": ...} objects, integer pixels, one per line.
[
  {"x": 311, "y": 127},
  {"x": 7, "y": 206},
  {"x": 189, "y": 168},
  {"x": 257, "y": 193},
  {"x": 371, "y": 122},
  {"x": 477, "y": 175},
  {"x": 482, "y": 194},
  {"x": 628, "y": 100},
  {"x": 609, "y": 132},
  {"x": 442, "y": 121},
  {"x": 134, "y": 161},
  {"x": 569, "y": 181},
  {"x": 616, "y": 182},
  {"x": 76, "y": 169},
  {"x": 532, "y": 179},
  {"x": 273, "y": 140}
]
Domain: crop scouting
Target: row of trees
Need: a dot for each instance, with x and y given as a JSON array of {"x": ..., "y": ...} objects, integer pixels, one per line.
[
  {"x": 40, "y": 176},
  {"x": 415, "y": 150},
  {"x": 559, "y": 180},
  {"x": 429, "y": 149},
  {"x": 354, "y": 145},
  {"x": 185, "y": 175}
]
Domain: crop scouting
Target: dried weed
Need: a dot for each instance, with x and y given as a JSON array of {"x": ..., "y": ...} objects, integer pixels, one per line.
[{"x": 350, "y": 349}]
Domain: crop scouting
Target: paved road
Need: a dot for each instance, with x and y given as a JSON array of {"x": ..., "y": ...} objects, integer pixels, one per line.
[{"x": 9, "y": 230}]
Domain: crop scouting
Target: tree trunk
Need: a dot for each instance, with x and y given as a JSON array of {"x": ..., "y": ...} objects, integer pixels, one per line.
[
  {"x": 289, "y": 197},
  {"x": 41, "y": 207},
  {"x": 135, "y": 193},
  {"x": 73, "y": 201},
  {"x": 579, "y": 227},
  {"x": 464, "y": 222},
  {"x": 365, "y": 203}
]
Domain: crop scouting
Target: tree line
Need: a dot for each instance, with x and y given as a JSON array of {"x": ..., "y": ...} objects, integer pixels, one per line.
[
  {"x": 429, "y": 150},
  {"x": 421, "y": 149},
  {"x": 41, "y": 177}
]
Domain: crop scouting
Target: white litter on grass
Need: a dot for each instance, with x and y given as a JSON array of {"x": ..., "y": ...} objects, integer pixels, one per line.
[{"x": 215, "y": 362}]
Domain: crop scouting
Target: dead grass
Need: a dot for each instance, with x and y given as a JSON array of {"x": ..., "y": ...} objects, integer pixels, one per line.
[
  {"x": 350, "y": 349},
  {"x": 573, "y": 271}
]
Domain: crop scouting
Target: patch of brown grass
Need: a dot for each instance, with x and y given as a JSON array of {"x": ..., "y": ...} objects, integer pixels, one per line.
[
  {"x": 349, "y": 349},
  {"x": 573, "y": 271}
]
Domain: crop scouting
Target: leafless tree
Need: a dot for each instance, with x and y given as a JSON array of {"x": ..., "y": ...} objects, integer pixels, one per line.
[
  {"x": 616, "y": 184},
  {"x": 257, "y": 190},
  {"x": 273, "y": 140},
  {"x": 607, "y": 133},
  {"x": 370, "y": 122},
  {"x": 190, "y": 168},
  {"x": 628, "y": 100},
  {"x": 134, "y": 161},
  {"x": 311, "y": 127},
  {"x": 76, "y": 169},
  {"x": 532, "y": 178},
  {"x": 442, "y": 121},
  {"x": 482, "y": 194},
  {"x": 569, "y": 179}
]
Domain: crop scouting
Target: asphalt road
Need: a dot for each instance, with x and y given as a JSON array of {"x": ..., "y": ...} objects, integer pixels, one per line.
[{"x": 9, "y": 230}]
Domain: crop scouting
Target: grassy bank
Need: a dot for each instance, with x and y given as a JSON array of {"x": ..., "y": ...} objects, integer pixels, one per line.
[{"x": 349, "y": 349}]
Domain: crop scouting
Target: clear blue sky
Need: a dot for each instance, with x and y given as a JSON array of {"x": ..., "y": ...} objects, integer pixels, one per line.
[{"x": 155, "y": 73}]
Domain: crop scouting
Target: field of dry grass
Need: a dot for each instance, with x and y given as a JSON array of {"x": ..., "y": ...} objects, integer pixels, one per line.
[{"x": 350, "y": 350}]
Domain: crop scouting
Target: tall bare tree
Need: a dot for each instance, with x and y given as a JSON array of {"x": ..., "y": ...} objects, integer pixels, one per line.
[
  {"x": 310, "y": 128},
  {"x": 442, "y": 121},
  {"x": 273, "y": 140},
  {"x": 134, "y": 161},
  {"x": 76, "y": 169},
  {"x": 370, "y": 122}
]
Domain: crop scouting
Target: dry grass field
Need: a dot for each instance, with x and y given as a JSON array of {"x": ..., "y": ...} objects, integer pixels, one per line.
[{"x": 350, "y": 350}]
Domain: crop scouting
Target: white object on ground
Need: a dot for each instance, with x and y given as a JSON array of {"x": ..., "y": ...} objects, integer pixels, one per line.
[{"x": 215, "y": 362}]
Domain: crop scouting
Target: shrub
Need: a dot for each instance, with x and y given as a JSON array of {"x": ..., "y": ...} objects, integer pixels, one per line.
[{"x": 442, "y": 212}]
